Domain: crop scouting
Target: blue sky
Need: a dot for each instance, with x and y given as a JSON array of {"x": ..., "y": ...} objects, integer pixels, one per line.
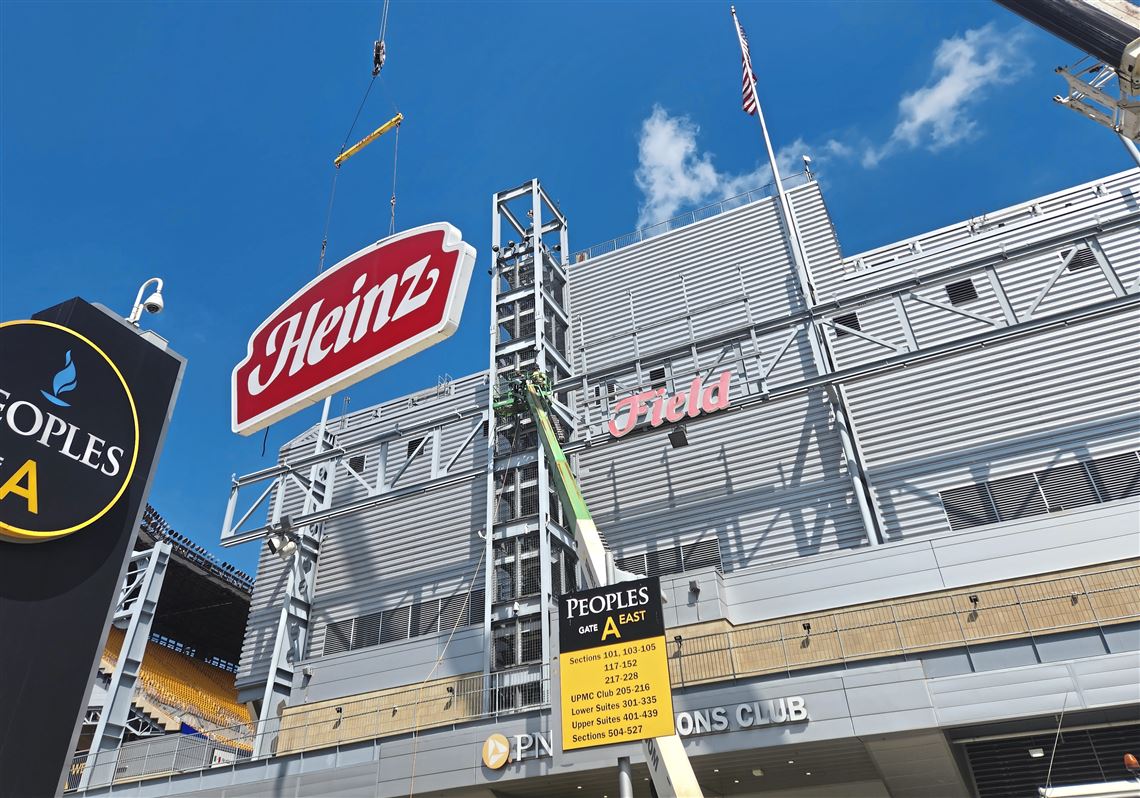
[{"x": 194, "y": 141}]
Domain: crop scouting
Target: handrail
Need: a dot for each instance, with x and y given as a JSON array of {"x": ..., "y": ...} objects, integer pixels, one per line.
[{"x": 1003, "y": 610}]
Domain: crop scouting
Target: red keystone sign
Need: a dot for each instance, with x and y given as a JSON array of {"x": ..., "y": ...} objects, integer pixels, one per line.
[{"x": 371, "y": 310}]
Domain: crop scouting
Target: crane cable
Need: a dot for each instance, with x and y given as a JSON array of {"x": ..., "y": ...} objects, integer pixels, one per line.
[{"x": 378, "y": 62}]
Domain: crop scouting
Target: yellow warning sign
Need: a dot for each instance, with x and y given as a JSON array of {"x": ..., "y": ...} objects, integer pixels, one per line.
[{"x": 614, "y": 666}]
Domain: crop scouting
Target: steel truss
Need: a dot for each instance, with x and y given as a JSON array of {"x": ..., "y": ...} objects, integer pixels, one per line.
[
  {"x": 530, "y": 329},
  {"x": 310, "y": 480},
  {"x": 138, "y": 599},
  {"x": 740, "y": 347},
  {"x": 1092, "y": 94}
]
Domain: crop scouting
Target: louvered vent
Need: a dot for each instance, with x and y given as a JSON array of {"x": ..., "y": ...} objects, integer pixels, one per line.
[
  {"x": 338, "y": 636},
  {"x": 394, "y": 625},
  {"x": 367, "y": 631},
  {"x": 1052, "y": 490},
  {"x": 657, "y": 377},
  {"x": 422, "y": 618},
  {"x": 969, "y": 506},
  {"x": 356, "y": 463},
  {"x": 425, "y": 618},
  {"x": 1117, "y": 477},
  {"x": 1068, "y": 486},
  {"x": 847, "y": 320},
  {"x": 1083, "y": 259},
  {"x": 961, "y": 292},
  {"x": 1017, "y": 497},
  {"x": 674, "y": 559}
]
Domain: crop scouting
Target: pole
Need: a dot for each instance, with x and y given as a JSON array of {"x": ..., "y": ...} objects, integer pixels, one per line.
[
  {"x": 625, "y": 778},
  {"x": 1130, "y": 145},
  {"x": 824, "y": 361}
]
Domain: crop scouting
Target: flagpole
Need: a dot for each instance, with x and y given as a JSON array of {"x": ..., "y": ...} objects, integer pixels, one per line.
[
  {"x": 799, "y": 256},
  {"x": 821, "y": 353}
]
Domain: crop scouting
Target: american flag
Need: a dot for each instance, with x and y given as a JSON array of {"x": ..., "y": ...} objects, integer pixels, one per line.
[{"x": 749, "y": 80}]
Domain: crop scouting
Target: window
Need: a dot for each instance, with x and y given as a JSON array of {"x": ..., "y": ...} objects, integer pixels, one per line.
[
  {"x": 850, "y": 320},
  {"x": 961, "y": 292}
]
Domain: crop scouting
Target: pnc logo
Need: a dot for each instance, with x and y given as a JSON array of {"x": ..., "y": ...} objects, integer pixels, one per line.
[{"x": 496, "y": 751}]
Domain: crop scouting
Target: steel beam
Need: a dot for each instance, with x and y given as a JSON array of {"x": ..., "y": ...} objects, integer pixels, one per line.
[{"x": 138, "y": 600}]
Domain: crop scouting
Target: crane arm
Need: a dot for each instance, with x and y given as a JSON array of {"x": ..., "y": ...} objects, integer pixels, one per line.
[{"x": 669, "y": 765}]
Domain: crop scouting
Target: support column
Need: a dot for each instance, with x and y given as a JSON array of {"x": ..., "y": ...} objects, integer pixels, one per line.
[
  {"x": 625, "y": 778},
  {"x": 138, "y": 600}
]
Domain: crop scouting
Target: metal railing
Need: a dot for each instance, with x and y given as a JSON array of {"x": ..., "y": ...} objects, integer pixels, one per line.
[
  {"x": 952, "y": 619},
  {"x": 688, "y": 218},
  {"x": 894, "y": 628},
  {"x": 439, "y": 703}
]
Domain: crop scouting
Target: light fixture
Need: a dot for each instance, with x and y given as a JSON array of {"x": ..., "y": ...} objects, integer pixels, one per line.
[
  {"x": 791, "y": 761},
  {"x": 152, "y": 304},
  {"x": 716, "y": 770},
  {"x": 974, "y": 599},
  {"x": 807, "y": 627},
  {"x": 678, "y": 437},
  {"x": 694, "y": 587},
  {"x": 757, "y": 771},
  {"x": 736, "y": 781},
  {"x": 1037, "y": 753},
  {"x": 281, "y": 545},
  {"x": 807, "y": 772}
]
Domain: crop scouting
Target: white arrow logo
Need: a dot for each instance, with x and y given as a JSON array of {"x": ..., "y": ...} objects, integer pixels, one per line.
[{"x": 496, "y": 750}]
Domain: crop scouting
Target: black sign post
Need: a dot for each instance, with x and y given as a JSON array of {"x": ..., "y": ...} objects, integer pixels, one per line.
[{"x": 85, "y": 401}]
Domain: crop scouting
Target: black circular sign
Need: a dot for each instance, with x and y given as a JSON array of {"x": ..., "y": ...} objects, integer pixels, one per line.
[{"x": 69, "y": 431}]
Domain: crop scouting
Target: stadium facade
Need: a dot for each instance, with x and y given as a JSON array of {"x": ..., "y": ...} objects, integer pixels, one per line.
[{"x": 897, "y": 534}]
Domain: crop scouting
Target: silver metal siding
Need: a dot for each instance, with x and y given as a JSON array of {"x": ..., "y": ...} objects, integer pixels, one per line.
[{"x": 407, "y": 549}]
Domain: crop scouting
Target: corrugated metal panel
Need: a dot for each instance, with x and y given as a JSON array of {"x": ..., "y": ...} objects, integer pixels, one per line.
[
  {"x": 1064, "y": 210},
  {"x": 645, "y": 296},
  {"x": 411, "y": 549},
  {"x": 768, "y": 482},
  {"x": 1046, "y": 401}
]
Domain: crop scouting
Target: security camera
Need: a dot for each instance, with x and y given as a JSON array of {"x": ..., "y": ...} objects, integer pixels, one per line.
[{"x": 153, "y": 303}]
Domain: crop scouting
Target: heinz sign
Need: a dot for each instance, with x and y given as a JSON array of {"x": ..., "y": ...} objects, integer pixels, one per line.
[{"x": 374, "y": 308}]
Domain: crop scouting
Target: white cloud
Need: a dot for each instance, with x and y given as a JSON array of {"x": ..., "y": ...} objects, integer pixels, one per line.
[
  {"x": 937, "y": 115},
  {"x": 673, "y": 173}
]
